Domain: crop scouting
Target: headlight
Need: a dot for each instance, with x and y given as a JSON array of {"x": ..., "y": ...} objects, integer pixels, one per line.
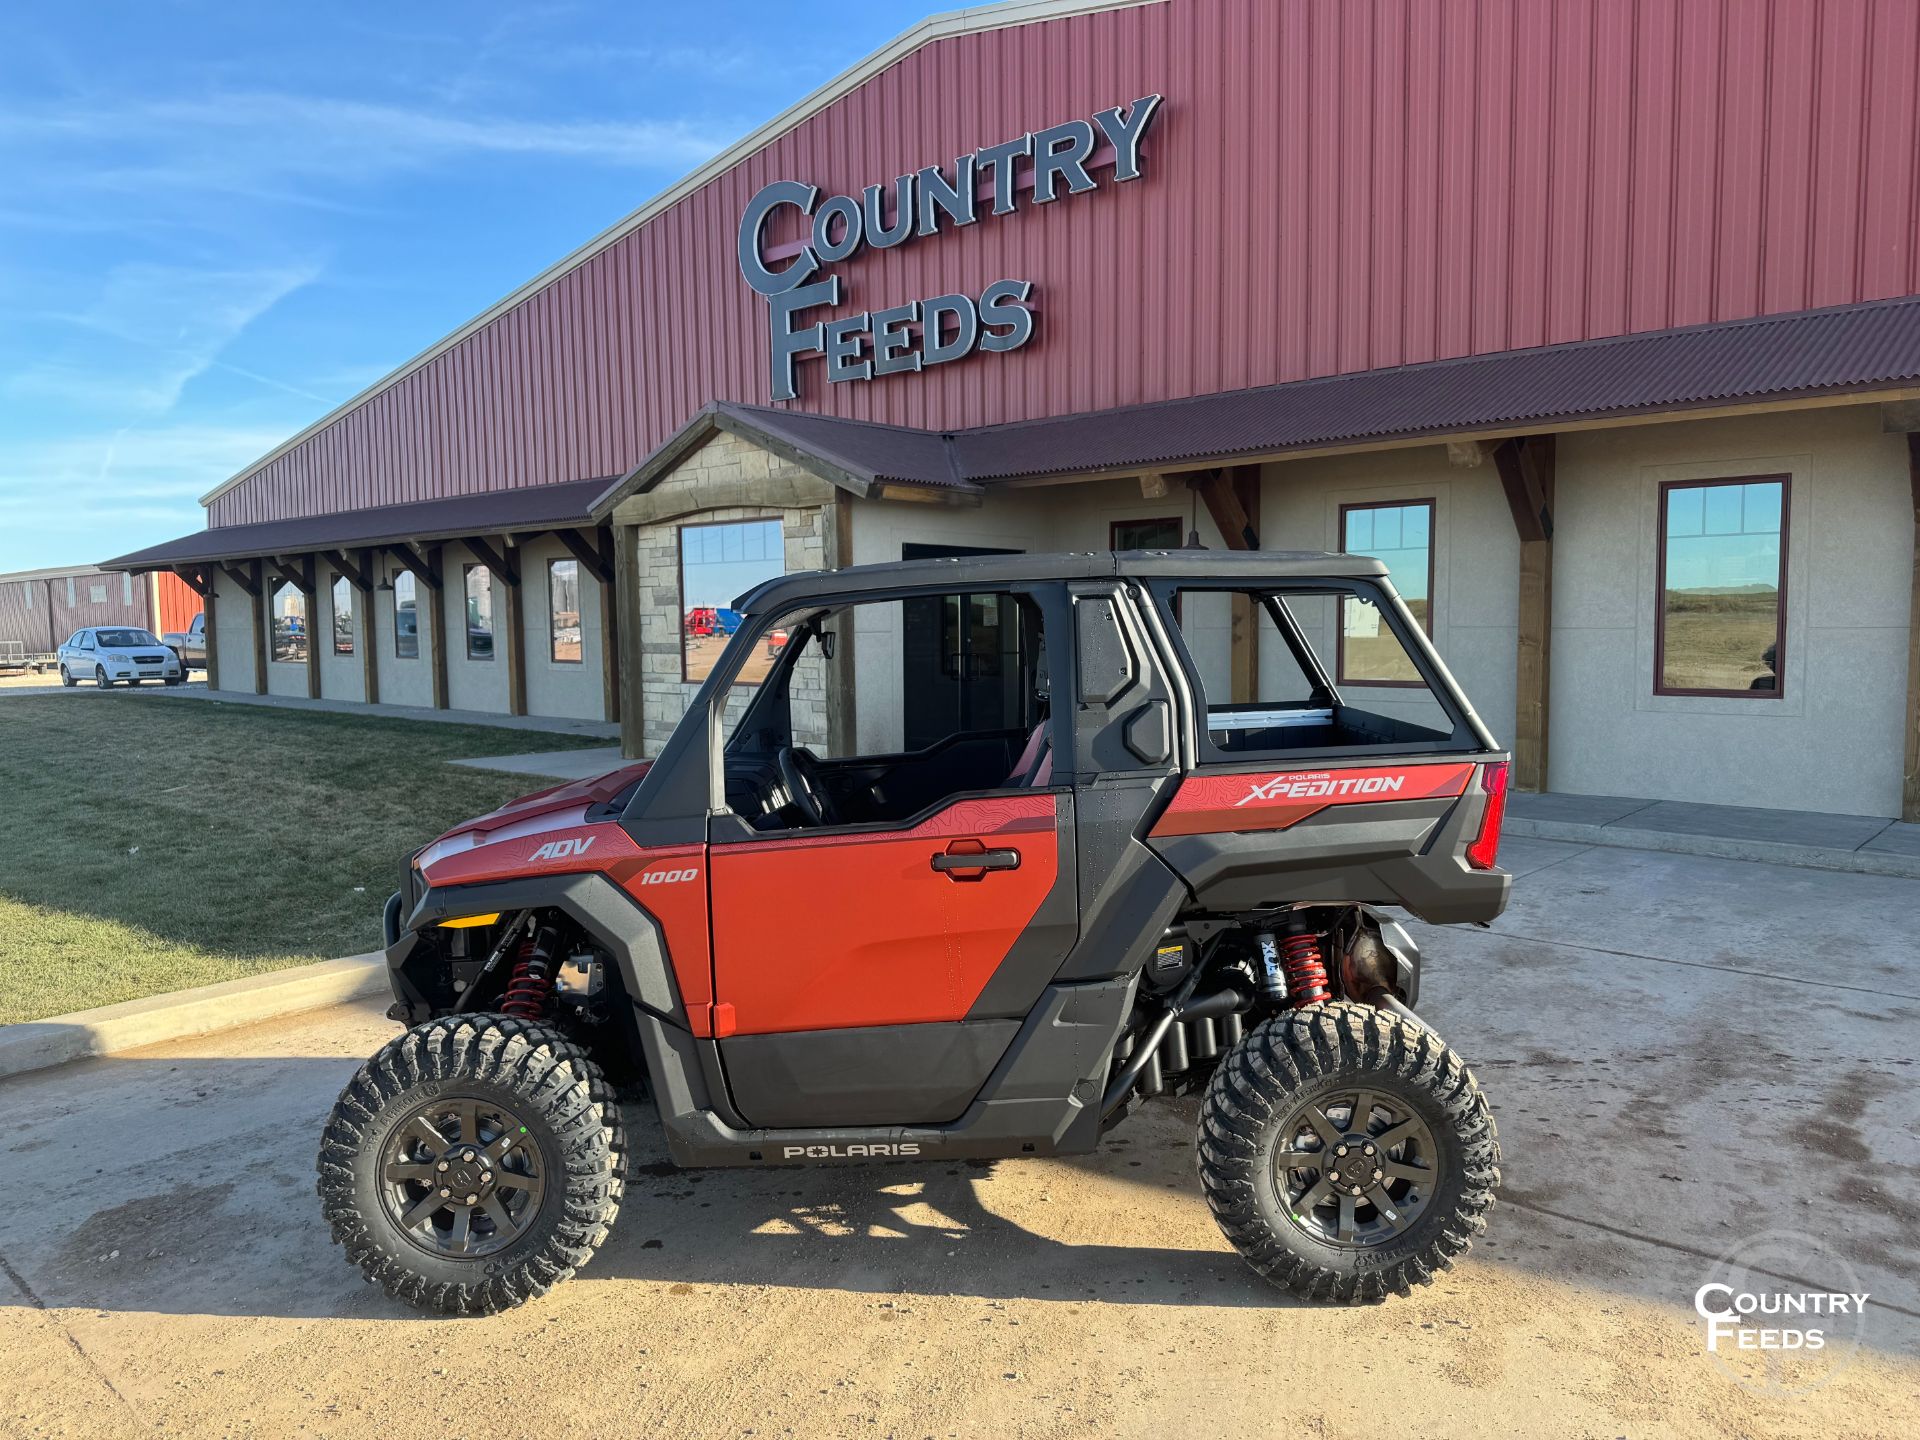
[{"x": 118, "y": 659}]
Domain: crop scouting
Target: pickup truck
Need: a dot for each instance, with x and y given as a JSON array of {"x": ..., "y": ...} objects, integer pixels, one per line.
[{"x": 189, "y": 644}]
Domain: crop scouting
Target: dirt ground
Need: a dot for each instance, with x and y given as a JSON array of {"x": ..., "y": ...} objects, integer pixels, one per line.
[{"x": 1685, "y": 1056}]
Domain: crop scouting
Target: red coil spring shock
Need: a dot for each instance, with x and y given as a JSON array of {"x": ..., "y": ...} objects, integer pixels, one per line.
[
  {"x": 1306, "y": 970},
  {"x": 530, "y": 986}
]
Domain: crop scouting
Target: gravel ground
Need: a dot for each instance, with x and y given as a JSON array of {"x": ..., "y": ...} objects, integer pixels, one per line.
[{"x": 1684, "y": 1055}]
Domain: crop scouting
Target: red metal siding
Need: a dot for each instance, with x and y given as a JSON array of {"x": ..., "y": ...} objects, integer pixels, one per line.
[
  {"x": 178, "y": 602},
  {"x": 1330, "y": 187}
]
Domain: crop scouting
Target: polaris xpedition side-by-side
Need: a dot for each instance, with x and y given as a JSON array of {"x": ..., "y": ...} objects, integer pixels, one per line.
[{"x": 992, "y": 850}]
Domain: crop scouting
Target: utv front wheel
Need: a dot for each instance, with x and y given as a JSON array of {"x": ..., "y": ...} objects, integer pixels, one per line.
[
  {"x": 1347, "y": 1153},
  {"x": 473, "y": 1163}
]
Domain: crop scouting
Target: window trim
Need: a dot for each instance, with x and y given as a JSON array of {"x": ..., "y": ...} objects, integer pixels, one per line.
[
  {"x": 398, "y": 653},
  {"x": 1113, "y": 540},
  {"x": 553, "y": 632},
  {"x": 1779, "y": 691},
  {"x": 1340, "y": 676},
  {"x": 275, "y": 591},
  {"x": 466, "y": 620},
  {"x": 680, "y": 578}
]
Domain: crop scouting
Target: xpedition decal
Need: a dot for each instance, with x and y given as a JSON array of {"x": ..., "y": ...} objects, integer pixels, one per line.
[{"x": 1216, "y": 804}]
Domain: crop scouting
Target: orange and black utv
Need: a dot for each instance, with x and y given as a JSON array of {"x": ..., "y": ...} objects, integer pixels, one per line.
[{"x": 993, "y": 850}]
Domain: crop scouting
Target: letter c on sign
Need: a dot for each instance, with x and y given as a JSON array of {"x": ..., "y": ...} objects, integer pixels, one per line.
[
  {"x": 1700, "y": 1300},
  {"x": 754, "y": 219}
]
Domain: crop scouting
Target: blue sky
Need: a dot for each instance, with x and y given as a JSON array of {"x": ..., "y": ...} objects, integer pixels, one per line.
[{"x": 218, "y": 221}]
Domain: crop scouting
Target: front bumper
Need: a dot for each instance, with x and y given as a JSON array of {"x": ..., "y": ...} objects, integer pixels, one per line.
[{"x": 168, "y": 671}]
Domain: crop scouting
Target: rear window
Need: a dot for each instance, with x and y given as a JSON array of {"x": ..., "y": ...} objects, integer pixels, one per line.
[{"x": 1262, "y": 660}]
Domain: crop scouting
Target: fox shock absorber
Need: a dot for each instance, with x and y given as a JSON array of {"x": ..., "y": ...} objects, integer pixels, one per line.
[{"x": 1293, "y": 968}]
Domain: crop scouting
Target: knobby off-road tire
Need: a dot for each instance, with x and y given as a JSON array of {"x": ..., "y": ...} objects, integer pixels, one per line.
[
  {"x": 1322, "y": 1057},
  {"x": 570, "y": 1139}
]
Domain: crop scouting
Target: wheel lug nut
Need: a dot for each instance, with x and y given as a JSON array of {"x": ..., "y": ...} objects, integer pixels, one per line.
[
  {"x": 1356, "y": 1189},
  {"x": 1378, "y": 1174},
  {"x": 445, "y": 1193},
  {"x": 486, "y": 1177},
  {"x": 441, "y": 1166},
  {"x": 473, "y": 1199},
  {"x": 1366, "y": 1150}
]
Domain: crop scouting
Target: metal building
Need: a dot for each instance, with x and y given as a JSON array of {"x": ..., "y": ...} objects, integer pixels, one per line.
[
  {"x": 1600, "y": 322},
  {"x": 41, "y": 608}
]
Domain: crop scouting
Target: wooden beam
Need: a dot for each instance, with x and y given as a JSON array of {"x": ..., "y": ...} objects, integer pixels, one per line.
[
  {"x": 1244, "y": 664},
  {"x": 515, "y": 630},
  {"x": 592, "y": 553},
  {"x": 425, "y": 565},
  {"x": 494, "y": 560},
  {"x": 208, "y": 640},
  {"x": 1910, "y": 788},
  {"x": 262, "y": 627},
  {"x": 365, "y": 630},
  {"x": 1218, "y": 493},
  {"x": 610, "y": 627},
  {"x": 626, "y": 604},
  {"x": 434, "y": 632},
  {"x": 195, "y": 578},
  {"x": 299, "y": 574},
  {"x": 1527, "y": 475},
  {"x": 358, "y": 570},
  {"x": 842, "y": 692},
  {"x": 247, "y": 579}
]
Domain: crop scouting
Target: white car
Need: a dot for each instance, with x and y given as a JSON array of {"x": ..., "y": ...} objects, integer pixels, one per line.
[{"x": 108, "y": 653}]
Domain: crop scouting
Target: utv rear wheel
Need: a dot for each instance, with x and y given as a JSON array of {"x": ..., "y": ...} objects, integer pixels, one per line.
[
  {"x": 473, "y": 1163},
  {"x": 1347, "y": 1152}
]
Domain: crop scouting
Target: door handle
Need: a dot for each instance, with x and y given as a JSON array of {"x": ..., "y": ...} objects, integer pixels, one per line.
[{"x": 977, "y": 860}]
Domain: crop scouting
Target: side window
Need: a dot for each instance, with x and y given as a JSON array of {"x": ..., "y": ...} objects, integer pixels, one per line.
[
  {"x": 720, "y": 561},
  {"x": 406, "y": 616},
  {"x": 289, "y": 623},
  {"x": 1399, "y": 533},
  {"x": 902, "y": 701},
  {"x": 343, "y": 616},
  {"x": 563, "y": 612},
  {"x": 1260, "y": 660},
  {"x": 479, "y": 586},
  {"x": 1723, "y": 586}
]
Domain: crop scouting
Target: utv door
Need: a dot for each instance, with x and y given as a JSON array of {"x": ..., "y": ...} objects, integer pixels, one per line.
[{"x": 875, "y": 972}]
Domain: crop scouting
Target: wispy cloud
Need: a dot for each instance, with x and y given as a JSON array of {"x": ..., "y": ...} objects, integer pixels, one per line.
[
  {"x": 261, "y": 138},
  {"x": 149, "y": 332},
  {"x": 114, "y": 487}
]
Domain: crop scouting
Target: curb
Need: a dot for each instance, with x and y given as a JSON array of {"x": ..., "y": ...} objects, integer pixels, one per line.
[
  {"x": 1771, "y": 852},
  {"x": 60, "y": 1039}
]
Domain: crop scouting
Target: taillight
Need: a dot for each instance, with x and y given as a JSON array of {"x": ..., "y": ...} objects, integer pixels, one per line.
[{"x": 1485, "y": 849}]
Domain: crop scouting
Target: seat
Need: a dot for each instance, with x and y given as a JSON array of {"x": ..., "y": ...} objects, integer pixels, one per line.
[{"x": 1035, "y": 765}]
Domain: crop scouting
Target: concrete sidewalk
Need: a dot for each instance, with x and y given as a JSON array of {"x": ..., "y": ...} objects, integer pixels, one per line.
[
  {"x": 1862, "y": 844},
  {"x": 552, "y": 724}
]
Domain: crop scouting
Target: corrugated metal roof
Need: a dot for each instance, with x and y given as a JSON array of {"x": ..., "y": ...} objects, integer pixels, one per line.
[
  {"x": 1853, "y": 347},
  {"x": 497, "y": 512}
]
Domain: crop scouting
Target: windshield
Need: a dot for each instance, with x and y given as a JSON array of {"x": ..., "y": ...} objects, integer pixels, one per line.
[{"x": 126, "y": 637}]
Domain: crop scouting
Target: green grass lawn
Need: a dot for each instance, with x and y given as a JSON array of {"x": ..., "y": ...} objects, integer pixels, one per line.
[{"x": 150, "y": 844}]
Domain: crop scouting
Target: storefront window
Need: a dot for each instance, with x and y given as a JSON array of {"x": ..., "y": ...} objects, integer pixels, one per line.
[
  {"x": 719, "y": 562},
  {"x": 479, "y": 612},
  {"x": 289, "y": 623},
  {"x": 343, "y": 616},
  {"x": 406, "y": 617},
  {"x": 1722, "y": 587},
  {"x": 563, "y": 611},
  {"x": 1400, "y": 534},
  {"x": 1160, "y": 534}
]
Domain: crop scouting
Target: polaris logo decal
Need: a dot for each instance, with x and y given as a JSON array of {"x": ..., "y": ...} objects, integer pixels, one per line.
[
  {"x": 562, "y": 849},
  {"x": 879, "y": 1150},
  {"x": 1315, "y": 787}
]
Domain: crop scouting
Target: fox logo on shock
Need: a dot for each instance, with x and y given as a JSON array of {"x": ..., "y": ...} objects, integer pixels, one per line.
[
  {"x": 562, "y": 849},
  {"x": 1315, "y": 787},
  {"x": 877, "y": 1150}
]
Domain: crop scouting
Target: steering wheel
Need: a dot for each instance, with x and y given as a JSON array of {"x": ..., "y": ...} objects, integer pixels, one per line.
[{"x": 800, "y": 773}]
